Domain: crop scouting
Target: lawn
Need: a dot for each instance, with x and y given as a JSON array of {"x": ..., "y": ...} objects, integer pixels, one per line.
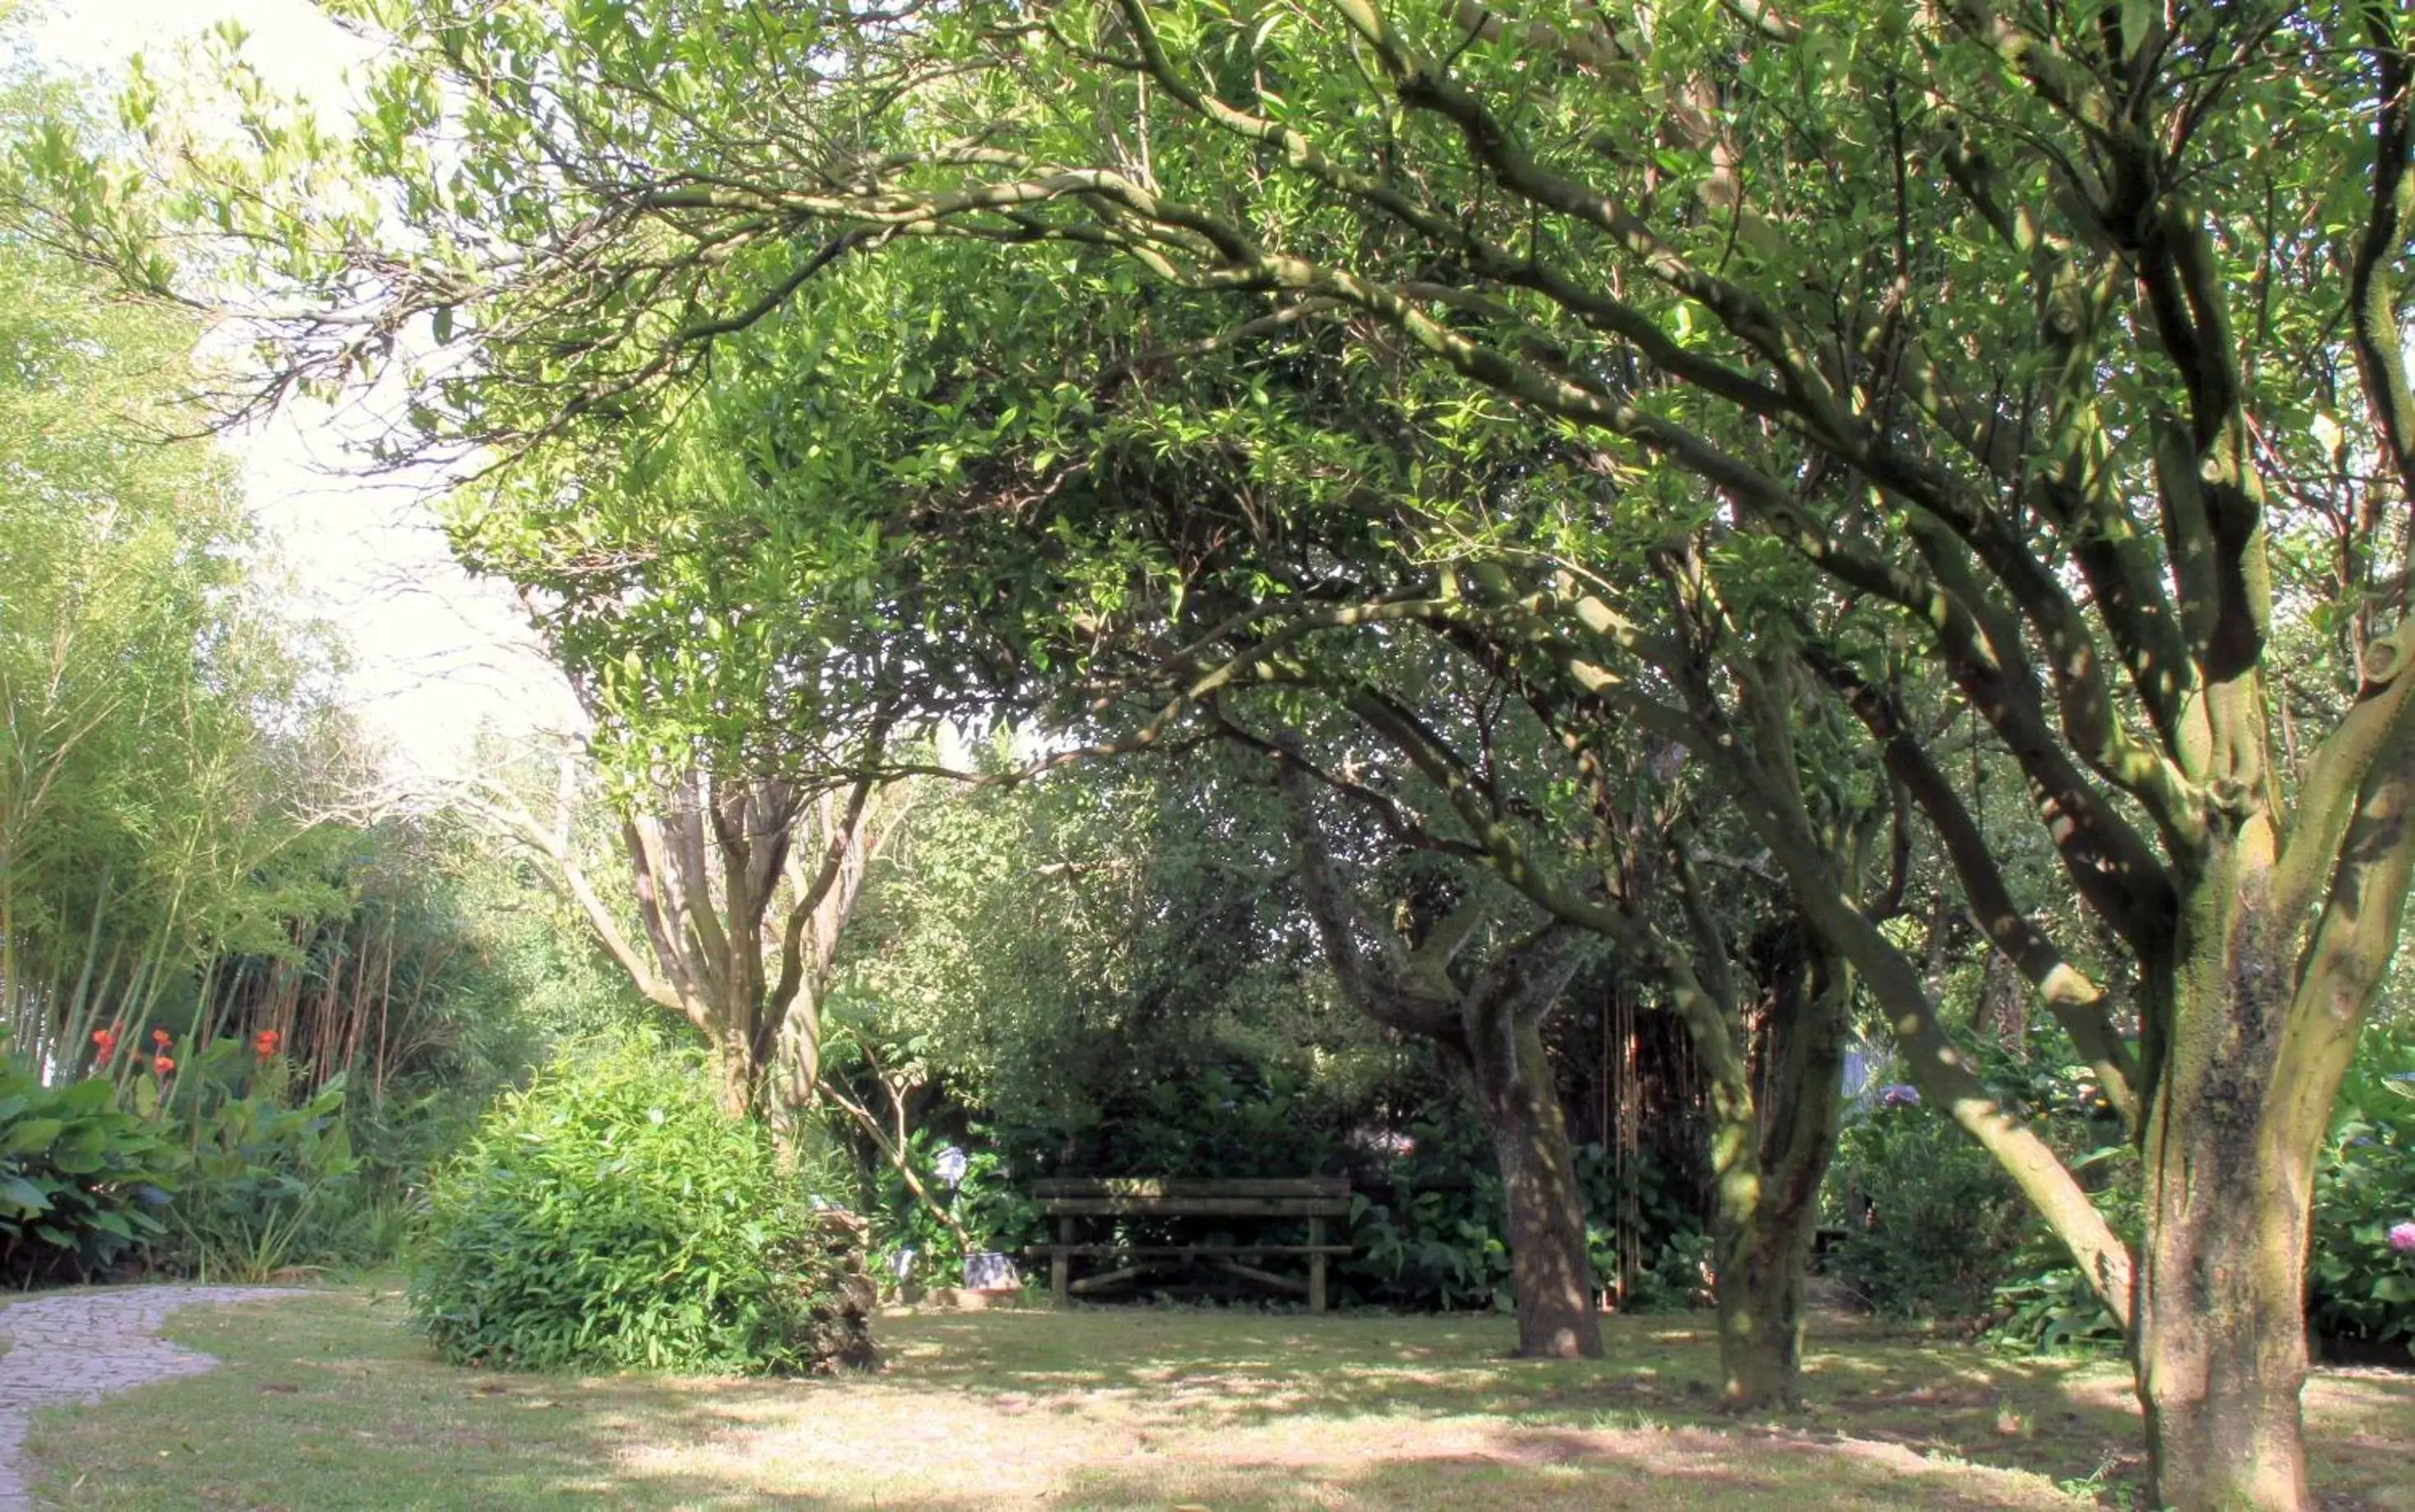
[{"x": 331, "y": 1402}]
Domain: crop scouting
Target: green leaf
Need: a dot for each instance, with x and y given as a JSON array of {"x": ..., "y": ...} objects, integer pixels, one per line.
[
  {"x": 22, "y": 1195},
  {"x": 90, "y": 1096},
  {"x": 33, "y": 1134}
]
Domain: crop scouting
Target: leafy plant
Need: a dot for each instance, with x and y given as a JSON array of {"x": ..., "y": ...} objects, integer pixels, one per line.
[
  {"x": 1440, "y": 1238},
  {"x": 2360, "y": 1279},
  {"x": 2048, "y": 1306},
  {"x": 269, "y": 1187},
  {"x": 1669, "y": 1229},
  {"x": 910, "y": 1242},
  {"x": 1931, "y": 1222},
  {"x": 612, "y": 1215},
  {"x": 81, "y": 1179}
]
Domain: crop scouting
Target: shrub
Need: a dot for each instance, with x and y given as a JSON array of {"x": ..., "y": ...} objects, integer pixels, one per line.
[
  {"x": 1931, "y": 1222},
  {"x": 611, "y": 1216},
  {"x": 80, "y": 1178},
  {"x": 268, "y": 1186},
  {"x": 1439, "y": 1235},
  {"x": 2045, "y": 1304},
  {"x": 910, "y": 1244},
  {"x": 1670, "y": 1243},
  {"x": 2361, "y": 1283}
]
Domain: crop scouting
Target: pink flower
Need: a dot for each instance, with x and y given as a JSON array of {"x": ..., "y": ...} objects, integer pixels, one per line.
[{"x": 2402, "y": 1237}]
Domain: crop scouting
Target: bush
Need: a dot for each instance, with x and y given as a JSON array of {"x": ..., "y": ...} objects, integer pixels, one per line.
[
  {"x": 268, "y": 1188},
  {"x": 1437, "y": 1236},
  {"x": 81, "y": 1179},
  {"x": 2360, "y": 1284},
  {"x": 1433, "y": 1232},
  {"x": 1673, "y": 1246},
  {"x": 1931, "y": 1222},
  {"x": 611, "y": 1216},
  {"x": 911, "y": 1246}
]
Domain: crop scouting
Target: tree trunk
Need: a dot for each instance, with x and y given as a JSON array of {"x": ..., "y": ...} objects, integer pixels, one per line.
[
  {"x": 1760, "y": 1255},
  {"x": 2219, "y": 1334},
  {"x": 1548, "y": 1268},
  {"x": 1767, "y": 1212},
  {"x": 742, "y": 1077},
  {"x": 795, "y": 1073},
  {"x": 2003, "y": 1012}
]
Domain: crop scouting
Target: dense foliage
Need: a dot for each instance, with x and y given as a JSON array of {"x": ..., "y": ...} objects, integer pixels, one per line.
[
  {"x": 1929, "y": 1224},
  {"x": 81, "y": 1179},
  {"x": 239, "y": 1016},
  {"x": 2361, "y": 1280},
  {"x": 611, "y": 1215},
  {"x": 164, "y": 734}
]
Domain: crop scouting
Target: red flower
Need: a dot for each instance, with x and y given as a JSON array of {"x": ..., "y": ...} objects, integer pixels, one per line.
[
  {"x": 161, "y": 1038},
  {"x": 264, "y": 1043},
  {"x": 106, "y": 1041},
  {"x": 162, "y": 1065}
]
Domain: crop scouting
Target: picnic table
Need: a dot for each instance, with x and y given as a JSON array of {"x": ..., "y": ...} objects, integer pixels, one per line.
[{"x": 1072, "y": 1201}]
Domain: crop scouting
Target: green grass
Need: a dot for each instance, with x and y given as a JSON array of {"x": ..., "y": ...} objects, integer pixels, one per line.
[{"x": 332, "y": 1403}]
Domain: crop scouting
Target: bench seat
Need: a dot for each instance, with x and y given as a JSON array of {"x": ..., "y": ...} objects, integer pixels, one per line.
[
  {"x": 1069, "y": 1200},
  {"x": 1052, "y": 1250}
]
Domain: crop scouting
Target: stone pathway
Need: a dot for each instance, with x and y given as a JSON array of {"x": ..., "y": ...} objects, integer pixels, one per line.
[{"x": 80, "y": 1346}]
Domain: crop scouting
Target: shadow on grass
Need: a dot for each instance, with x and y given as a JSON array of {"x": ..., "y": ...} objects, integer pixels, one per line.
[
  {"x": 333, "y": 1404},
  {"x": 2067, "y": 1418}
]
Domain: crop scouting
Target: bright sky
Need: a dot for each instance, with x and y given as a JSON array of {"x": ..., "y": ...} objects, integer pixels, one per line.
[{"x": 435, "y": 653}]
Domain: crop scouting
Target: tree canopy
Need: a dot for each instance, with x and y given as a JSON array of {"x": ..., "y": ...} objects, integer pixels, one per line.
[{"x": 1735, "y": 375}]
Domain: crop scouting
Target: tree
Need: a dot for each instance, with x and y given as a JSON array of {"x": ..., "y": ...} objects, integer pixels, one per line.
[
  {"x": 164, "y": 740},
  {"x": 2064, "y": 347},
  {"x": 1487, "y": 1017},
  {"x": 1768, "y": 1022},
  {"x": 740, "y": 888}
]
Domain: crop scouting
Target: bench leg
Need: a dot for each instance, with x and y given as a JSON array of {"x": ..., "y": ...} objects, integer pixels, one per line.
[
  {"x": 1316, "y": 1268},
  {"x": 1061, "y": 1266}
]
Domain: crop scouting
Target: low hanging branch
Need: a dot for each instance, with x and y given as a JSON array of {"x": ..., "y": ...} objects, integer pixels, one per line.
[{"x": 891, "y": 1138}]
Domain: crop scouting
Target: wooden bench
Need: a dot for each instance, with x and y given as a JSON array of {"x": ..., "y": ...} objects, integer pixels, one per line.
[{"x": 1071, "y": 1201}]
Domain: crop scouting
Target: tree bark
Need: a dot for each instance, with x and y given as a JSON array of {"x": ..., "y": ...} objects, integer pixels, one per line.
[
  {"x": 1773, "y": 1159},
  {"x": 1549, "y": 1268},
  {"x": 1493, "y": 1024},
  {"x": 1759, "y": 1251},
  {"x": 2219, "y": 1335},
  {"x": 2263, "y": 996},
  {"x": 741, "y": 1076}
]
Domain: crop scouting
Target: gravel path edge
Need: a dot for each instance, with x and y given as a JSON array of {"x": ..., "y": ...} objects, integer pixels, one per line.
[{"x": 80, "y": 1346}]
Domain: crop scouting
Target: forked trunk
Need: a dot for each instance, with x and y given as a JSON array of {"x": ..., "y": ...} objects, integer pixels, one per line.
[
  {"x": 2219, "y": 1335},
  {"x": 795, "y": 1074},
  {"x": 1549, "y": 1268},
  {"x": 1763, "y": 1226},
  {"x": 1761, "y": 1259}
]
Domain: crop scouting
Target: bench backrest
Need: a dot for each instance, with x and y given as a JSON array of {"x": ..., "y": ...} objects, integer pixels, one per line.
[{"x": 1180, "y": 1197}]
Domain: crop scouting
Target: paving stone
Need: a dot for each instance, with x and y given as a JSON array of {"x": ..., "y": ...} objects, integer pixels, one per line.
[{"x": 79, "y": 1346}]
